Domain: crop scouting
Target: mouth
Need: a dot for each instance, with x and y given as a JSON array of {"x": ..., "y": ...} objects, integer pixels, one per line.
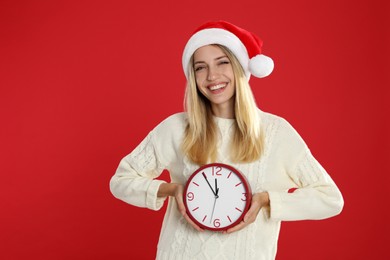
[{"x": 217, "y": 87}]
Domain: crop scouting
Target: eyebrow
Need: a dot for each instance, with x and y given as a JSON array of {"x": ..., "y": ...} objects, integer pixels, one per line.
[{"x": 218, "y": 58}]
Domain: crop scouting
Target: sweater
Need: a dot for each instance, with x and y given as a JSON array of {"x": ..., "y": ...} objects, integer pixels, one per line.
[{"x": 286, "y": 163}]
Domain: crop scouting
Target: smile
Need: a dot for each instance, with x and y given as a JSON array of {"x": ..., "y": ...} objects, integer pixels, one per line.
[{"x": 216, "y": 87}]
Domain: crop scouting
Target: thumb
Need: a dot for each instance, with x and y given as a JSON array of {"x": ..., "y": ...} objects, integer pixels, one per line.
[
  {"x": 180, "y": 205},
  {"x": 248, "y": 215},
  {"x": 254, "y": 209},
  {"x": 182, "y": 209}
]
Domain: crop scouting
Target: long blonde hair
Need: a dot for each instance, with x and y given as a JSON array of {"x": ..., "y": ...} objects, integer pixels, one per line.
[{"x": 201, "y": 135}]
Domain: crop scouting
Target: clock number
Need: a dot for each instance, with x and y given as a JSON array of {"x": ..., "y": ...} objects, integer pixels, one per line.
[
  {"x": 218, "y": 172},
  {"x": 245, "y": 195},
  {"x": 190, "y": 196},
  {"x": 217, "y": 222}
]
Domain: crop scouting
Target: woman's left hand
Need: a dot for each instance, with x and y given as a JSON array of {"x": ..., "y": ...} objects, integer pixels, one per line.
[{"x": 259, "y": 200}]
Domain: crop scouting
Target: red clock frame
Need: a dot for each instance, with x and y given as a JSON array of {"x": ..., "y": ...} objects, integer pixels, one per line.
[{"x": 244, "y": 182}]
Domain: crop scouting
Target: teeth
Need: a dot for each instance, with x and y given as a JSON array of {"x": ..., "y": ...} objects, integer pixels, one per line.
[{"x": 217, "y": 87}]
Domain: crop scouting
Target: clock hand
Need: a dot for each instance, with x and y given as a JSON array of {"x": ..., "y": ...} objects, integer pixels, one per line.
[
  {"x": 212, "y": 213},
  {"x": 216, "y": 197},
  {"x": 216, "y": 188},
  {"x": 204, "y": 175}
]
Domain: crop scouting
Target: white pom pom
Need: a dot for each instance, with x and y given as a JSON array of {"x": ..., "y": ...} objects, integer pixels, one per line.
[{"x": 261, "y": 66}]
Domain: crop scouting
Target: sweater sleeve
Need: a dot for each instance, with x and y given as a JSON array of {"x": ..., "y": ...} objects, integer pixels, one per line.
[
  {"x": 316, "y": 196},
  {"x": 134, "y": 180}
]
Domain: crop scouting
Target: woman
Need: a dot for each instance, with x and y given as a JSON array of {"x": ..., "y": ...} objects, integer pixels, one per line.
[{"x": 223, "y": 124}]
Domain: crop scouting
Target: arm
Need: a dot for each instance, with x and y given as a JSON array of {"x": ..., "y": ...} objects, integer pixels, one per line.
[
  {"x": 317, "y": 196},
  {"x": 134, "y": 181}
]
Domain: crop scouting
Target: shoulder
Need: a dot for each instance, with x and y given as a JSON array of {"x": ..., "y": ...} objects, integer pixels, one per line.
[
  {"x": 176, "y": 120},
  {"x": 280, "y": 128},
  {"x": 174, "y": 124},
  {"x": 268, "y": 119}
]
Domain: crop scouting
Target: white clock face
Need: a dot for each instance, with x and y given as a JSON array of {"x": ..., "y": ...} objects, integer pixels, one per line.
[{"x": 217, "y": 196}]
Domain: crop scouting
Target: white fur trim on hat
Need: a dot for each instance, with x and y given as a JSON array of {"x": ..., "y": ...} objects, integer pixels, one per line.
[
  {"x": 215, "y": 36},
  {"x": 258, "y": 65}
]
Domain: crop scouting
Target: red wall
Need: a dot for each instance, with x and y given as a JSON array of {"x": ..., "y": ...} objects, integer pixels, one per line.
[{"x": 82, "y": 83}]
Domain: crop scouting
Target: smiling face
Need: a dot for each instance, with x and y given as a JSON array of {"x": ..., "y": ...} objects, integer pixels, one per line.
[{"x": 215, "y": 79}]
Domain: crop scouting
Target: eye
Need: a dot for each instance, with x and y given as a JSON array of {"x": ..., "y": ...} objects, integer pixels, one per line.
[
  {"x": 199, "y": 68},
  {"x": 223, "y": 62}
]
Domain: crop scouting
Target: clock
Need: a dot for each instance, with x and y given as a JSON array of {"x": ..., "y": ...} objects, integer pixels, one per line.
[{"x": 217, "y": 196}]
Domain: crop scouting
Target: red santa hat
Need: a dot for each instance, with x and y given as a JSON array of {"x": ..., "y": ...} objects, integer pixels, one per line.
[{"x": 245, "y": 45}]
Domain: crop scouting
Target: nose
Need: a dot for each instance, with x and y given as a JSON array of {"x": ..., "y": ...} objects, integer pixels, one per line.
[{"x": 212, "y": 74}]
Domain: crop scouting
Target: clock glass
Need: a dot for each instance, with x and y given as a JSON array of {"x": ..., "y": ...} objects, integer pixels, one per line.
[{"x": 217, "y": 196}]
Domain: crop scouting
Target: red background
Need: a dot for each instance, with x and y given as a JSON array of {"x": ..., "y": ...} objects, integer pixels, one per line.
[{"x": 83, "y": 82}]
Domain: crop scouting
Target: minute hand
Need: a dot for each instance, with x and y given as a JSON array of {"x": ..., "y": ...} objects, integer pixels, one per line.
[{"x": 204, "y": 175}]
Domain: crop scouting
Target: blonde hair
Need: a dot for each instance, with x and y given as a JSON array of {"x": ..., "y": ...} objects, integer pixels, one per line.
[{"x": 201, "y": 134}]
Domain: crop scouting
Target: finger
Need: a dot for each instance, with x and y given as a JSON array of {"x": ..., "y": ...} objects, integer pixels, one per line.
[
  {"x": 251, "y": 215},
  {"x": 181, "y": 207},
  {"x": 240, "y": 226},
  {"x": 247, "y": 217},
  {"x": 253, "y": 211},
  {"x": 189, "y": 220},
  {"x": 183, "y": 212},
  {"x": 180, "y": 202}
]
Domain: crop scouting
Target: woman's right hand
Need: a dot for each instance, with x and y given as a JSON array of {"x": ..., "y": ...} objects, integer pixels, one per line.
[{"x": 176, "y": 190}]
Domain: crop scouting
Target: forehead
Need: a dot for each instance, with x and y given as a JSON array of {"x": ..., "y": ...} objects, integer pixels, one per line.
[{"x": 208, "y": 52}]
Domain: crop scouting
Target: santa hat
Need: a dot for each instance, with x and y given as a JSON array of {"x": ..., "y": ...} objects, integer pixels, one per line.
[{"x": 245, "y": 45}]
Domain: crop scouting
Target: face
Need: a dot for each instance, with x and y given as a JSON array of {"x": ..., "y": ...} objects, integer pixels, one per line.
[{"x": 214, "y": 76}]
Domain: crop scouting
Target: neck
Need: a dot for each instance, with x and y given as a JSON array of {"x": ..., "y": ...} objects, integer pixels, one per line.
[{"x": 223, "y": 110}]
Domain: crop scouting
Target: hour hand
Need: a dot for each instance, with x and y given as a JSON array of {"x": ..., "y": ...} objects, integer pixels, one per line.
[{"x": 216, "y": 188}]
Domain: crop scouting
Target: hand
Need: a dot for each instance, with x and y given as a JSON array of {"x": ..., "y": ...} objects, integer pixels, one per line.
[
  {"x": 176, "y": 190},
  {"x": 259, "y": 200}
]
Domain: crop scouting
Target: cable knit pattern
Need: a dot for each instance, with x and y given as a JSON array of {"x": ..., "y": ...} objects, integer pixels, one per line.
[
  {"x": 286, "y": 163},
  {"x": 308, "y": 170},
  {"x": 143, "y": 158}
]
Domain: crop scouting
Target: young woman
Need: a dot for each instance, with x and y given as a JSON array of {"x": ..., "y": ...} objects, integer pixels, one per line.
[{"x": 223, "y": 124}]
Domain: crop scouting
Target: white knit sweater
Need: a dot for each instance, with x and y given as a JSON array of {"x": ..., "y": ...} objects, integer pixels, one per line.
[{"x": 286, "y": 163}]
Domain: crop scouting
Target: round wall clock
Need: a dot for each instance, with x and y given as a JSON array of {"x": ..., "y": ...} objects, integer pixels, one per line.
[{"x": 217, "y": 196}]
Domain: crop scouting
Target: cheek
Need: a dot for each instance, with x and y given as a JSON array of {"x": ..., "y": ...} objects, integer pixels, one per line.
[
  {"x": 199, "y": 77},
  {"x": 231, "y": 74}
]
